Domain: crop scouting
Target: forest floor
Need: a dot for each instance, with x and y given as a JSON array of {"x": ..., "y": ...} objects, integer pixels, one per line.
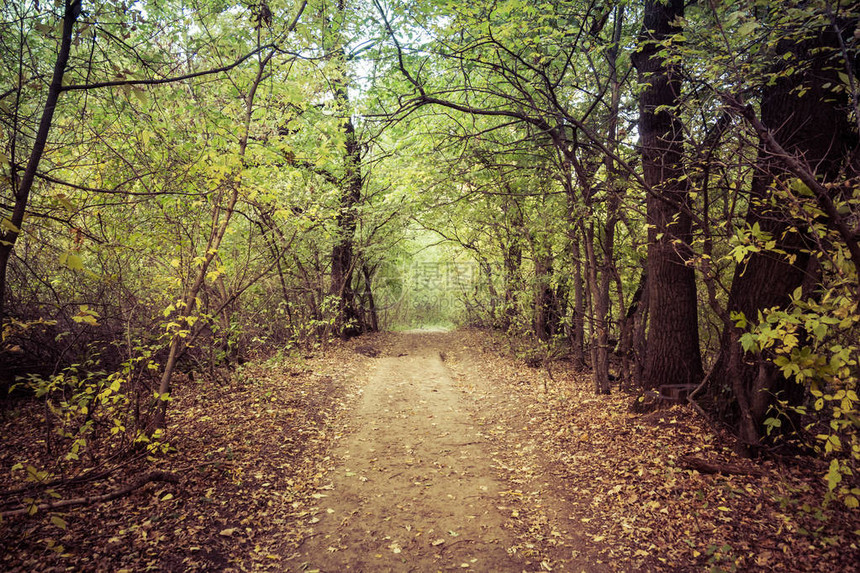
[{"x": 438, "y": 451}]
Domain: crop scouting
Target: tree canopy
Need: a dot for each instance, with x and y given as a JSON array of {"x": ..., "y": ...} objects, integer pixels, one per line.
[{"x": 664, "y": 193}]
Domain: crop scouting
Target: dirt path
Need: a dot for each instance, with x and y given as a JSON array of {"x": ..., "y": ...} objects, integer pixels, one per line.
[
  {"x": 413, "y": 488},
  {"x": 337, "y": 462}
]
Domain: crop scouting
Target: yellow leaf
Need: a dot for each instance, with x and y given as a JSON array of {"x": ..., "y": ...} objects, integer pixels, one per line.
[
  {"x": 72, "y": 260},
  {"x": 58, "y": 521},
  {"x": 6, "y": 225}
]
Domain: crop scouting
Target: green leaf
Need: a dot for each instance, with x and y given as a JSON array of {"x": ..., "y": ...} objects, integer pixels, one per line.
[
  {"x": 772, "y": 423},
  {"x": 64, "y": 201},
  {"x": 44, "y": 28},
  {"x": 747, "y": 28},
  {"x": 72, "y": 260},
  {"x": 141, "y": 96},
  {"x": 747, "y": 341}
]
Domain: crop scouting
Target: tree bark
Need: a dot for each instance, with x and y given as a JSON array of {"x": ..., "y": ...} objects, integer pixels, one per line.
[
  {"x": 599, "y": 325},
  {"x": 627, "y": 335},
  {"x": 544, "y": 297},
  {"x": 673, "y": 355},
  {"x": 9, "y": 234},
  {"x": 371, "y": 301},
  {"x": 348, "y": 321},
  {"x": 816, "y": 129},
  {"x": 578, "y": 320},
  {"x": 156, "y": 475},
  {"x": 513, "y": 255},
  {"x": 614, "y": 190}
]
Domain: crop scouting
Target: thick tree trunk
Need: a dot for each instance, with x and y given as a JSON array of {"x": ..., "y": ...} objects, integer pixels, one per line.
[
  {"x": 815, "y": 127},
  {"x": 673, "y": 355},
  {"x": 347, "y": 320}
]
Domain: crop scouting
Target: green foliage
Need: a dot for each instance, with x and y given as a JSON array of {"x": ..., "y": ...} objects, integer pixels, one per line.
[
  {"x": 90, "y": 416},
  {"x": 814, "y": 343},
  {"x": 137, "y": 178}
]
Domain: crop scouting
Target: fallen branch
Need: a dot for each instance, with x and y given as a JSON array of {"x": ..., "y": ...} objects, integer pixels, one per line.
[
  {"x": 90, "y": 500},
  {"x": 92, "y": 476},
  {"x": 704, "y": 467}
]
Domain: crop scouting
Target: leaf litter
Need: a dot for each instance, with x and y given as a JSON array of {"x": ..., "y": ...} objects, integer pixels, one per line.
[
  {"x": 626, "y": 484},
  {"x": 251, "y": 455},
  {"x": 578, "y": 481}
]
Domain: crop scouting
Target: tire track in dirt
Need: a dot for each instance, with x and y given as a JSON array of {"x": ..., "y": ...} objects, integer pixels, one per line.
[{"x": 413, "y": 488}]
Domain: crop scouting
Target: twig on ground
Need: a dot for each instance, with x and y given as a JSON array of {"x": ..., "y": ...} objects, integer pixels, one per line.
[{"x": 90, "y": 500}]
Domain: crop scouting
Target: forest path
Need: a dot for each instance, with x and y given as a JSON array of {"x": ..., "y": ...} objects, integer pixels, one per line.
[{"x": 414, "y": 486}]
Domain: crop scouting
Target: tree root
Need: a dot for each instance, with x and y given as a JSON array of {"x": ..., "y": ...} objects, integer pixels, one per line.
[{"x": 705, "y": 467}]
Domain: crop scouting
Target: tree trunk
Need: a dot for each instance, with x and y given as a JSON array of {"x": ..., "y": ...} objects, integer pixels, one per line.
[
  {"x": 371, "y": 302},
  {"x": 578, "y": 320},
  {"x": 614, "y": 190},
  {"x": 221, "y": 217},
  {"x": 348, "y": 321},
  {"x": 513, "y": 255},
  {"x": 10, "y": 232},
  {"x": 544, "y": 298},
  {"x": 626, "y": 337},
  {"x": 815, "y": 127},
  {"x": 673, "y": 355},
  {"x": 599, "y": 326}
]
